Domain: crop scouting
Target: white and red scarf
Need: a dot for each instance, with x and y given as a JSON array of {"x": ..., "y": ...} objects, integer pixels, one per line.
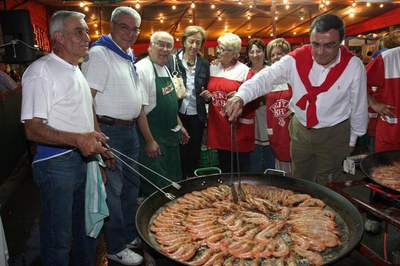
[{"x": 304, "y": 63}]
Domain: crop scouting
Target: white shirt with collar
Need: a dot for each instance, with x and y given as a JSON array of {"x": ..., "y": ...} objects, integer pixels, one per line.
[
  {"x": 188, "y": 106},
  {"x": 346, "y": 99},
  {"x": 116, "y": 82}
]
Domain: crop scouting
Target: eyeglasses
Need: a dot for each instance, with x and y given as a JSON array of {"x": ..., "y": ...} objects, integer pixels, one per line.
[
  {"x": 126, "y": 29},
  {"x": 193, "y": 41},
  {"x": 327, "y": 46},
  {"x": 224, "y": 50},
  {"x": 257, "y": 52},
  {"x": 162, "y": 45}
]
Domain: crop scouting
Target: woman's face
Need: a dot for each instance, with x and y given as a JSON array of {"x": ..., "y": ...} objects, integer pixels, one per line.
[
  {"x": 193, "y": 44},
  {"x": 277, "y": 53},
  {"x": 256, "y": 55},
  {"x": 225, "y": 54}
]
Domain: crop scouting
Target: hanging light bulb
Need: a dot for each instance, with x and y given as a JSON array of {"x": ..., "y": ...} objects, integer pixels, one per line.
[
  {"x": 219, "y": 18},
  {"x": 354, "y": 3},
  {"x": 81, "y": 4},
  {"x": 96, "y": 25},
  {"x": 212, "y": 6},
  {"x": 86, "y": 8},
  {"x": 301, "y": 18},
  {"x": 251, "y": 6},
  {"x": 240, "y": 2},
  {"x": 249, "y": 37},
  {"x": 137, "y": 5},
  {"x": 161, "y": 20},
  {"x": 173, "y": 7},
  {"x": 327, "y": 3},
  {"x": 351, "y": 15},
  {"x": 248, "y": 17},
  {"x": 272, "y": 35},
  {"x": 381, "y": 5},
  {"x": 190, "y": 21},
  {"x": 287, "y": 6},
  {"x": 368, "y": 4},
  {"x": 193, "y": 5}
]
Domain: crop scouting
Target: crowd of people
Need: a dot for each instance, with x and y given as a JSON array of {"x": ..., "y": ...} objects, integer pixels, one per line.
[{"x": 297, "y": 111}]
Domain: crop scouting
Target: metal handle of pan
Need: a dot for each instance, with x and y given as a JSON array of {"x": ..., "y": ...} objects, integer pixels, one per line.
[
  {"x": 275, "y": 171},
  {"x": 174, "y": 184},
  {"x": 377, "y": 189}
]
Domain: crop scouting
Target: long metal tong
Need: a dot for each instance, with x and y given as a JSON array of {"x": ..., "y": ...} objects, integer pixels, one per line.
[
  {"x": 240, "y": 192},
  {"x": 166, "y": 194}
]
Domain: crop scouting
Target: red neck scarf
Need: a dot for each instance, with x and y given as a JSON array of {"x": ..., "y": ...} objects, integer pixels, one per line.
[{"x": 304, "y": 62}]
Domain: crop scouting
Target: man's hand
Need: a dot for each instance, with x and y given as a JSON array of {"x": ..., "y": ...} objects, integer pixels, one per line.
[
  {"x": 381, "y": 108},
  {"x": 90, "y": 143},
  {"x": 152, "y": 149},
  {"x": 234, "y": 108},
  {"x": 384, "y": 109}
]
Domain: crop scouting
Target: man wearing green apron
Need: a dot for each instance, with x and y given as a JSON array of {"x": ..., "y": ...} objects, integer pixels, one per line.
[{"x": 161, "y": 130}]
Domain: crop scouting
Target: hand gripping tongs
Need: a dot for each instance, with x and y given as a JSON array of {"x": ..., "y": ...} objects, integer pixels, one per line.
[{"x": 174, "y": 184}]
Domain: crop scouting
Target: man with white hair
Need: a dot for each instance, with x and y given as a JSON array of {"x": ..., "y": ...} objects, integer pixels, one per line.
[
  {"x": 117, "y": 102},
  {"x": 58, "y": 116},
  {"x": 160, "y": 127}
]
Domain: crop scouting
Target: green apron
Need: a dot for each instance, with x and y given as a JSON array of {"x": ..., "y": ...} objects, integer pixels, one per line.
[{"x": 161, "y": 120}]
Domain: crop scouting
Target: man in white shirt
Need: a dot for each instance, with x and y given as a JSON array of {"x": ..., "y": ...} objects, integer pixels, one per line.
[
  {"x": 329, "y": 100},
  {"x": 113, "y": 81},
  {"x": 58, "y": 116}
]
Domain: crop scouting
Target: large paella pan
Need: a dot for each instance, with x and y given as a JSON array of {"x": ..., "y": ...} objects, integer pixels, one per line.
[{"x": 348, "y": 219}]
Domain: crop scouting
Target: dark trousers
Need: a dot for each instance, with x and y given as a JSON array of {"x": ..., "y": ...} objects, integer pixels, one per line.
[
  {"x": 190, "y": 152},
  {"x": 224, "y": 158}
]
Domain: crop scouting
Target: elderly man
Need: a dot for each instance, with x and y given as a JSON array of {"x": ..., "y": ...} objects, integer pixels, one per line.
[
  {"x": 329, "y": 100},
  {"x": 117, "y": 101},
  {"x": 58, "y": 116},
  {"x": 160, "y": 127}
]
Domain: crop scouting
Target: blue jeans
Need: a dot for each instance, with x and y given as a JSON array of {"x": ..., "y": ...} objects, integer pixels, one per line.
[
  {"x": 262, "y": 158},
  {"x": 61, "y": 181},
  {"x": 122, "y": 188}
]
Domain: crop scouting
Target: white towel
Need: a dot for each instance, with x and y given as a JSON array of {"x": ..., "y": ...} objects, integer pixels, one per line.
[{"x": 96, "y": 209}]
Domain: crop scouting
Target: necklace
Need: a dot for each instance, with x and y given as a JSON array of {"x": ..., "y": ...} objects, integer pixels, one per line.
[{"x": 190, "y": 64}]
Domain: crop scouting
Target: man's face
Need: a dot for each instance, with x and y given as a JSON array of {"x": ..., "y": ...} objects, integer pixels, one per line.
[
  {"x": 125, "y": 31},
  {"x": 325, "y": 46},
  {"x": 160, "y": 50},
  {"x": 74, "y": 40}
]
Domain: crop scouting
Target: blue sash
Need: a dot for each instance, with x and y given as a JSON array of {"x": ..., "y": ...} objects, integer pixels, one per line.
[
  {"x": 44, "y": 152},
  {"x": 107, "y": 42}
]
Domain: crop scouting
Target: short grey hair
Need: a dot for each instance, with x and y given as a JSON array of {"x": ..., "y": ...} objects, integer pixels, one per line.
[
  {"x": 231, "y": 40},
  {"x": 160, "y": 34},
  {"x": 125, "y": 10},
  {"x": 57, "y": 21}
]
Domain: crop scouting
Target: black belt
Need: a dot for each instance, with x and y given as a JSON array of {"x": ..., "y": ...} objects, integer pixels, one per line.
[{"x": 114, "y": 121}]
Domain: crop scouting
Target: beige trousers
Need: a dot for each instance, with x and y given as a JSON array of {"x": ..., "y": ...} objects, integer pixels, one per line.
[{"x": 318, "y": 154}]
